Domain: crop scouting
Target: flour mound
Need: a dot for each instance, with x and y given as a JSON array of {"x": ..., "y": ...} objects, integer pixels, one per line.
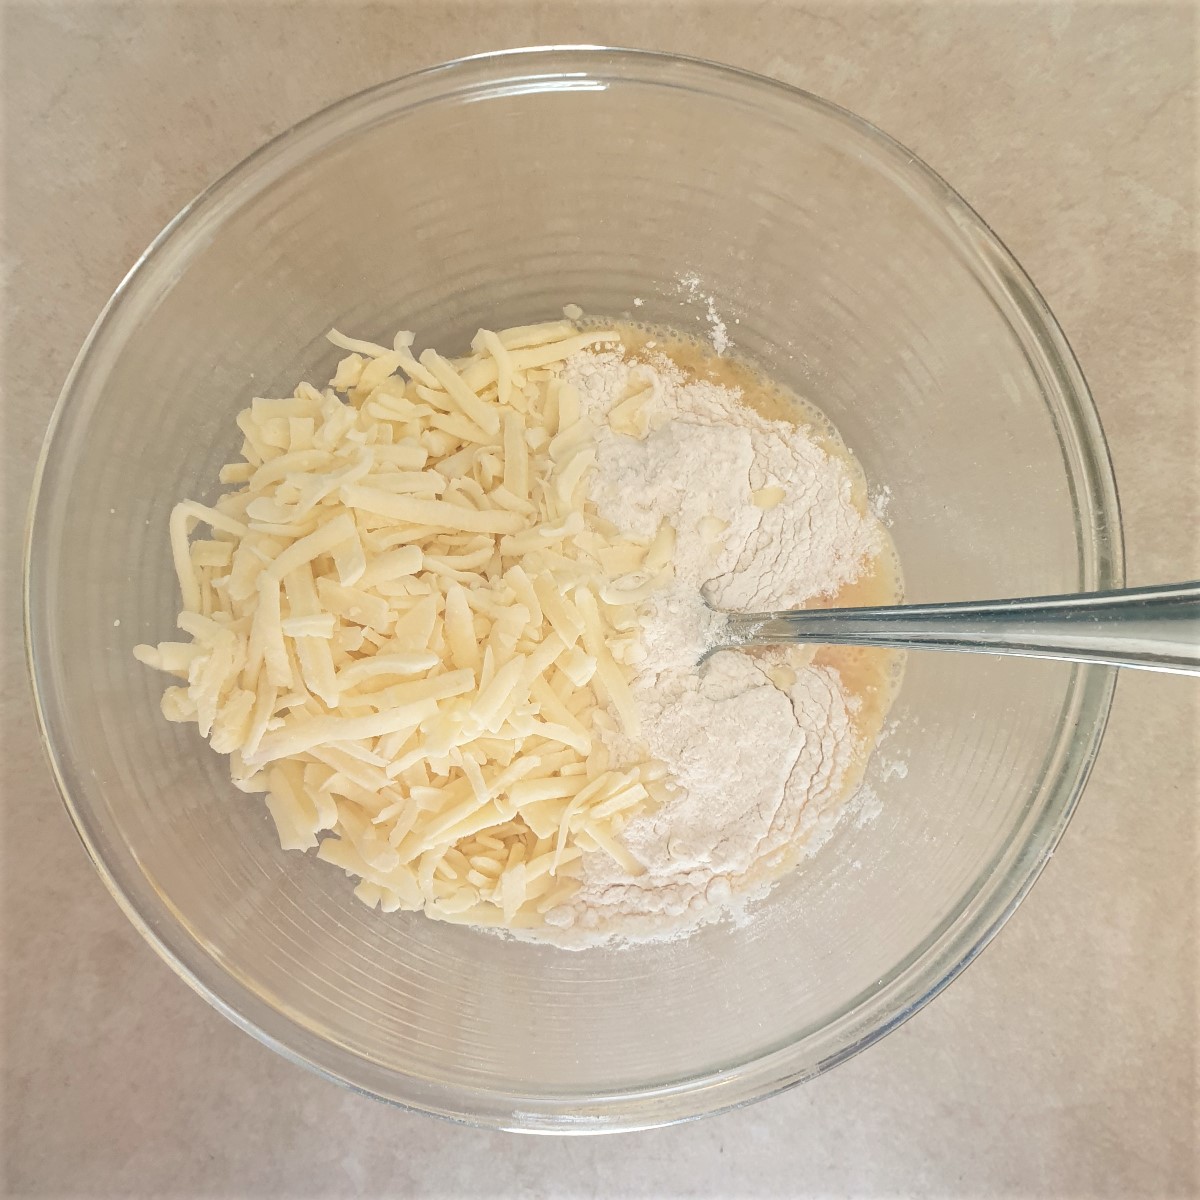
[{"x": 758, "y": 747}]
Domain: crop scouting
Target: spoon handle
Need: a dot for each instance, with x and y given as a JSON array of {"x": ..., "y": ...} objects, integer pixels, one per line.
[{"x": 1155, "y": 628}]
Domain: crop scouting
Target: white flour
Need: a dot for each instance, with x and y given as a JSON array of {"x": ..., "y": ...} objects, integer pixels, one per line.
[
  {"x": 690, "y": 285},
  {"x": 758, "y": 746},
  {"x": 705, "y": 455}
]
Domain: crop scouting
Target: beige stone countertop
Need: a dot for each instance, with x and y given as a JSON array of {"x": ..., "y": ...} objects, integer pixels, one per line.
[{"x": 1065, "y": 1061}]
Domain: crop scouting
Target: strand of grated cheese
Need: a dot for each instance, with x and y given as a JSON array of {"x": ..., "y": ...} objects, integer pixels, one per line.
[{"x": 407, "y": 622}]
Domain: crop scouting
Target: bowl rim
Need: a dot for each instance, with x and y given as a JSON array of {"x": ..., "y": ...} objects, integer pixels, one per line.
[{"x": 1077, "y": 739}]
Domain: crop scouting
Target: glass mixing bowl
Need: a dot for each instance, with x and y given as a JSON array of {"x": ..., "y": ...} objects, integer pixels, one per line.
[{"x": 492, "y": 191}]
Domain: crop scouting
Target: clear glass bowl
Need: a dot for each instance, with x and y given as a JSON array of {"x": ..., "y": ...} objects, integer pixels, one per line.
[{"x": 492, "y": 191}]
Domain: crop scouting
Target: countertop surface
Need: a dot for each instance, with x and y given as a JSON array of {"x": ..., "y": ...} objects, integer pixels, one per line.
[{"x": 1064, "y": 1062}]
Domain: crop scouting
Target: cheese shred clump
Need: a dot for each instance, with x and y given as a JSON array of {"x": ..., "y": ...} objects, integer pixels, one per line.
[{"x": 410, "y": 629}]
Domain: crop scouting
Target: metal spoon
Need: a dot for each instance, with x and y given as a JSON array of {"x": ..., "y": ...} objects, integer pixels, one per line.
[{"x": 1155, "y": 628}]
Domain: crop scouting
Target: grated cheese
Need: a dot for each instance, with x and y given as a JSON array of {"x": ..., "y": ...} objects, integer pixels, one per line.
[{"x": 407, "y": 622}]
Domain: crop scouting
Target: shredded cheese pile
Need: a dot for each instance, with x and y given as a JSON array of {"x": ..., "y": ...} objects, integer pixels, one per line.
[{"x": 408, "y": 626}]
